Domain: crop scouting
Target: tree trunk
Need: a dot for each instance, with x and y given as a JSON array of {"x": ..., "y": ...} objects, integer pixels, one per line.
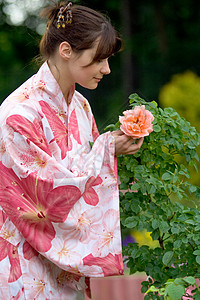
[{"x": 129, "y": 65}]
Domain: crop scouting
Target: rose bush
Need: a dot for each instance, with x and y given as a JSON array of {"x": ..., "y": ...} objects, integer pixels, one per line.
[
  {"x": 137, "y": 122},
  {"x": 160, "y": 184}
]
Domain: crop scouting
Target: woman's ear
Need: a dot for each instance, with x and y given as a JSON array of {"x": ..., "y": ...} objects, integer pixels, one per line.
[{"x": 65, "y": 50}]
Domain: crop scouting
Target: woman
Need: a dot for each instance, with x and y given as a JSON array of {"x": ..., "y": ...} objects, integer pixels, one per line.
[{"x": 59, "y": 217}]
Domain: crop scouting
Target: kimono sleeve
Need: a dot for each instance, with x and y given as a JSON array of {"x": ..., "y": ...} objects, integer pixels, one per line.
[{"x": 38, "y": 193}]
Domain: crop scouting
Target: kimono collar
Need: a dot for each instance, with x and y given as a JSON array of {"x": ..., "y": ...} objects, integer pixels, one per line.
[{"x": 45, "y": 80}]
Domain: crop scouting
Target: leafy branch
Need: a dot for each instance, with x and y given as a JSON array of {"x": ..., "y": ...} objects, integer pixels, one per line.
[{"x": 156, "y": 184}]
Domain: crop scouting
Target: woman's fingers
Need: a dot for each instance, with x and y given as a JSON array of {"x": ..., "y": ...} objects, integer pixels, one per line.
[
  {"x": 125, "y": 144},
  {"x": 133, "y": 148}
]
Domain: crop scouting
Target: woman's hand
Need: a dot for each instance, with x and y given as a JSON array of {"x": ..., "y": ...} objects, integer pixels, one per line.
[{"x": 125, "y": 144}]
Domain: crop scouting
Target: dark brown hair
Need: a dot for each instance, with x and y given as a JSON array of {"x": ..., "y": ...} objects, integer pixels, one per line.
[{"x": 87, "y": 25}]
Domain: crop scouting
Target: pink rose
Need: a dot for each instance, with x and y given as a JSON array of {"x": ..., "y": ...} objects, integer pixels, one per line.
[{"x": 137, "y": 122}]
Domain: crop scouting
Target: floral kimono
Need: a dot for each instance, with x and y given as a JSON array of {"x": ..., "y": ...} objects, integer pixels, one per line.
[{"x": 59, "y": 203}]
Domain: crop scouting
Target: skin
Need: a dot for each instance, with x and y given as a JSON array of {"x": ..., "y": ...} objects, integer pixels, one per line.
[{"x": 65, "y": 63}]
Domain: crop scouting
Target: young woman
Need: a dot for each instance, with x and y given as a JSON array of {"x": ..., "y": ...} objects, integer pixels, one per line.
[{"x": 59, "y": 216}]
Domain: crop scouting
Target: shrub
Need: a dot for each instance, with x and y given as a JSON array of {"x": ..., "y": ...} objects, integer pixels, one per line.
[
  {"x": 157, "y": 178},
  {"x": 183, "y": 94}
]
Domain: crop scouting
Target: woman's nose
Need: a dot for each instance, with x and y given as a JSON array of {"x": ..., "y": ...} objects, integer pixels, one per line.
[{"x": 105, "y": 67}]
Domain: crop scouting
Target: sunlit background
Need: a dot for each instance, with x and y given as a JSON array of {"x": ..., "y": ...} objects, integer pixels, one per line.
[{"x": 24, "y": 13}]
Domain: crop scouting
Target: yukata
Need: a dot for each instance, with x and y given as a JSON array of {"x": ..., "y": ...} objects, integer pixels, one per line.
[{"x": 59, "y": 200}]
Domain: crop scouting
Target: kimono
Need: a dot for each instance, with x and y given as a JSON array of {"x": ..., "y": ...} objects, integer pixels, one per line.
[{"x": 59, "y": 200}]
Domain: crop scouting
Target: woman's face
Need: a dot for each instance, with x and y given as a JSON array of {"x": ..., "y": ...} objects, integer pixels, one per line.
[{"x": 85, "y": 74}]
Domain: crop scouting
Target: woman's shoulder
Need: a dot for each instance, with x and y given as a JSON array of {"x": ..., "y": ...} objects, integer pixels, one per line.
[{"x": 16, "y": 99}]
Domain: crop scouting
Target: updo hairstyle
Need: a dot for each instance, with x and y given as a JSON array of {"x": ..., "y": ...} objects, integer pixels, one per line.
[{"x": 87, "y": 25}]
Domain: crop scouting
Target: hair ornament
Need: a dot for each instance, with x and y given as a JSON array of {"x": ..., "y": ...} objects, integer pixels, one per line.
[{"x": 64, "y": 16}]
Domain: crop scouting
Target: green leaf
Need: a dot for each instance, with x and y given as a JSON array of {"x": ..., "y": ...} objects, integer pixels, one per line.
[
  {"x": 135, "y": 253},
  {"x": 197, "y": 297},
  {"x": 91, "y": 144},
  {"x": 130, "y": 222},
  {"x": 190, "y": 222},
  {"x": 110, "y": 127},
  {"x": 152, "y": 289},
  {"x": 175, "y": 292},
  {"x": 154, "y": 103},
  {"x": 156, "y": 128},
  {"x": 155, "y": 224},
  {"x": 167, "y": 257},
  {"x": 189, "y": 279},
  {"x": 144, "y": 289},
  {"x": 123, "y": 186},
  {"x": 196, "y": 252},
  {"x": 155, "y": 234},
  {"x": 166, "y": 176},
  {"x": 135, "y": 186},
  {"x": 179, "y": 281},
  {"x": 192, "y": 188},
  {"x": 177, "y": 244},
  {"x": 198, "y": 259},
  {"x": 164, "y": 227}
]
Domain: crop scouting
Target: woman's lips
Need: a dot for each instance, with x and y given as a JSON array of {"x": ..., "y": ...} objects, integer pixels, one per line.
[{"x": 97, "y": 78}]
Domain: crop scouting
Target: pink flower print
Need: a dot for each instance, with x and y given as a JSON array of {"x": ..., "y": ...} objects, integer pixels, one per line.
[
  {"x": 37, "y": 281},
  {"x": 4, "y": 286},
  {"x": 79, "y": 222},
  {"x": 110, "y": 264},
  {"x": 4, "y": 156},
  {"x": 70, "y": 280},
  {"x": 28, "y": 251},
  {"x": 10, "y": 233},
  {"x": 73, "y": 129},
  {"x": 5, "y": 143},
  {"x": 89, "y": 195},
  {"x": 33, "y": 131},
  {"x": 15, "y": 267},
  {"x": 63, "y": 252},
  {"x": 26, "y": 94},
  {"x": 41, "y": 85},
  {"x": 95, "y": 131},
  {"x": 4, "y": 245},
  {"x": 62, "y": 115},
  {"x": 23, "y": 95},
  {"x": 3, "y": 218},
  {"x": 87, "y": 270},
  {"x": 107, "y": 235},
  {"x": 59, "y": 130},
  {"x": 32, "y": 160},
  {"x": 68, "y": 284},
  {"x": 19, "y": 295},
  {"x": 32, "y": 204},
  {"x": 7, "y": 249},
  {"x": 85, "y": 106}
]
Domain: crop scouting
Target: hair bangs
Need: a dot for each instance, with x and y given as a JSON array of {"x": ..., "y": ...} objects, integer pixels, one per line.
[{"x": 109, "y": 43}]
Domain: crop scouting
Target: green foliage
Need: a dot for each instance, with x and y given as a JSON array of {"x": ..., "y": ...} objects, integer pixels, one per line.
[
  {"x": 175, "y": 289},
  {"x": 183, "y": 94},
  {"x": 152, "y": 178},
  {"x": 18, "y": 46}
]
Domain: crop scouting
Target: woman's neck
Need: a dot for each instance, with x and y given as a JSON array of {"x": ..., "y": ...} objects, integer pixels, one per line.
[{"x": 60, "y": 74}]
